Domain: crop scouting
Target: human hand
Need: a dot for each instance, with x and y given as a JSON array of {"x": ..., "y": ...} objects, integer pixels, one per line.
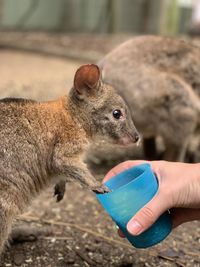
[{"x": 179, "y": 192}]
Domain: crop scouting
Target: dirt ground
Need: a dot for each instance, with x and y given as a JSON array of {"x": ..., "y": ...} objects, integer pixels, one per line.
[{"x": 77, "y": 231}]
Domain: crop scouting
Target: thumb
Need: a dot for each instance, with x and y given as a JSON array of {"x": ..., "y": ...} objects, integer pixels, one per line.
[{"x": 146, "y": 216}]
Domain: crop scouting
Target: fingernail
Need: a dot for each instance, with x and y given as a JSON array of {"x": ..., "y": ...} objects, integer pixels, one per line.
[{"x": 134, "y": 227}]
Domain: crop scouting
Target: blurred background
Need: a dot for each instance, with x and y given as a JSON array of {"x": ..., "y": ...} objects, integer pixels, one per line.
[
  {"x": 80, "y": 30},
  {"x": 106, "y": 16},
  {"x": 42, "y": 43}
]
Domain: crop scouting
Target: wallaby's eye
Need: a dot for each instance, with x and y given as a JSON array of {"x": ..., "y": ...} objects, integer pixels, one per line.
[{"x": 117, "y": 114}]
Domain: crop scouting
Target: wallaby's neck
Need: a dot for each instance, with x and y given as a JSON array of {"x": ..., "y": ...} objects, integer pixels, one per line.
[{"x": 79, "y": 113}]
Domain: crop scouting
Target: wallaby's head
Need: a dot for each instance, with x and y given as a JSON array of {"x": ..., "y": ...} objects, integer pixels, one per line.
[{"x": 100, "y": 109}]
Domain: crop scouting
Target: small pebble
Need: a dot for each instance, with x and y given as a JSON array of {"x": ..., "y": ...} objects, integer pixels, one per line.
[{"x": 18, "y": 259}]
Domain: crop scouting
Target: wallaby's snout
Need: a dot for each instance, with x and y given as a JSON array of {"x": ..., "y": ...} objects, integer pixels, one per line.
[
  {"x": 129, "y": 137},
  {"x": 130, "y": 133}
]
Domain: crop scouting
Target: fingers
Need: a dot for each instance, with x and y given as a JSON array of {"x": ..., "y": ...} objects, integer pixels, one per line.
[
  {"x": 173, "y": 192},
  {"x": 182, "y": 215},
  {"x": 178, "y": 215},
  {"x": 122, "y": 167},
  {"x": 120, "y": 233},
  {"x": 145, "y": 217}
]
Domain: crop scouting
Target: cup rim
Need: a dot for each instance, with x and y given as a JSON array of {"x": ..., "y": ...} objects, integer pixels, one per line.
[{"x": 135, "y": 179}]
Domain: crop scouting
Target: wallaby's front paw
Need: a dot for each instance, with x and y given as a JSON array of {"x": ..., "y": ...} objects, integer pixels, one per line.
[
  {"x": 100, "y": 189},
  {"x": 59, "y": 191}
]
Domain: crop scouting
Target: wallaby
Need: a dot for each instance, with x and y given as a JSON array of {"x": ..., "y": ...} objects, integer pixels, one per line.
[
  {"x": 159, "y": 78},
  {"x": 42, "y": 142}
]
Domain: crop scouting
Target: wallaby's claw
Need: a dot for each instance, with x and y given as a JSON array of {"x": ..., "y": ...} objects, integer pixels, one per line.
[
  {"x": 59, "y": 191},
  {"x": 101, "y": 189}
]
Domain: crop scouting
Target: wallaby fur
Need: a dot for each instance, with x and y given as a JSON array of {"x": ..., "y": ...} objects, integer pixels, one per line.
[
  {"x": 41, "y": 142},
  {"x": 159, "y": 77}
]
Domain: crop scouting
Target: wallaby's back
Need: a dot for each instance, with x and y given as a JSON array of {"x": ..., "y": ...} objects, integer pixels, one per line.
[
  {"x": 161, "y": 53},
  {"x": 25, "y": 143}
]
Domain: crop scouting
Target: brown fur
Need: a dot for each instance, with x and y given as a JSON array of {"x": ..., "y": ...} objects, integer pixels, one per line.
[
  {"x": 160, "y": 79},
  {"x": 40, "y": 143}
]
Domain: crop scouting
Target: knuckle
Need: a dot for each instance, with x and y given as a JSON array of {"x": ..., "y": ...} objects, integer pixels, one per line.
[{"x": 147, "y": 215}]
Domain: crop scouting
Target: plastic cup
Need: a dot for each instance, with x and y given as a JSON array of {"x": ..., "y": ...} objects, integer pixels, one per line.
[{"x": 130, "y": 191}]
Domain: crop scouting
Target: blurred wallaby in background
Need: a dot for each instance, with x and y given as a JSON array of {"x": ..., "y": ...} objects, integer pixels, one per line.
[
  {"x": 45, "y": 142},
  {"x": 159, "y": 78}
]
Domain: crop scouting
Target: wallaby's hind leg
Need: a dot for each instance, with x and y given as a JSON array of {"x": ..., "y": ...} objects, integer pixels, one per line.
[
  {"x": 26, "y": 233},
  {"x": 182, "y": 153},
  {"x": 175, "y": 153}
]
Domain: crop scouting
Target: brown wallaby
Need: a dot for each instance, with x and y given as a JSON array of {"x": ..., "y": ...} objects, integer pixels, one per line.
[
  {"x": 41, "y": 142},
  {"x": 159, "y": 77}
]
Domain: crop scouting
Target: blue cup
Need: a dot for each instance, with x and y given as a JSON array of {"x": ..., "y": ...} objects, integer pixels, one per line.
[{"x": 130, "y": 191}]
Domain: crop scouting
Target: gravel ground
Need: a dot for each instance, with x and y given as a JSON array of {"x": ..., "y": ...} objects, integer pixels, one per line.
[{"x": 77, "y": 231}]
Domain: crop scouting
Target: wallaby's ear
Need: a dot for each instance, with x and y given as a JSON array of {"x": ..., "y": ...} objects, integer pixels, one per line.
[{"x": 87, "y": 80}]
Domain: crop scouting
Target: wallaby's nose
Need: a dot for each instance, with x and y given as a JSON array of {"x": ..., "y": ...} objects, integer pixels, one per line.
[{"x": 136, "y": 136}]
